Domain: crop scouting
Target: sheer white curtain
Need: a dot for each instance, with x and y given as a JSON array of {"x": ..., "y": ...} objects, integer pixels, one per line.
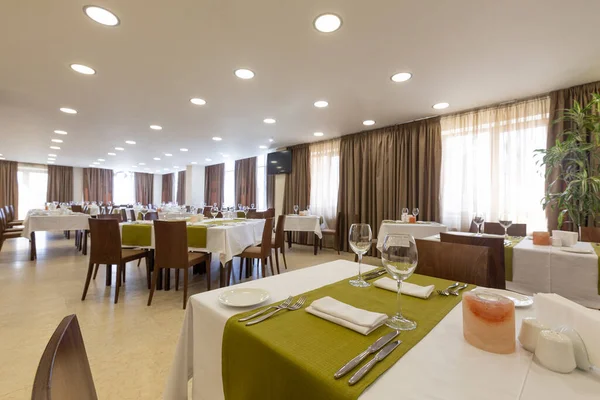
[
  {"x": 489, "y": 164},
  {"x": 325, "y": 180},
  {"x": 123, "y": 187},
  {"x": 33, "y": 183}
]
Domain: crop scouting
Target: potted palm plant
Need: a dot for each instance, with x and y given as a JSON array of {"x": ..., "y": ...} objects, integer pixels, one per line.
[{"x": 576, "y": 158}]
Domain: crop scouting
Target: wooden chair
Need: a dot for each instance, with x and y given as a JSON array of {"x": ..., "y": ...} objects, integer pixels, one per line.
[
  {"x": 106, "y": 249},
  {"x": 5, "y": 224},
  {"x": 270, "y": 213},
  {"x": 171, "y": 251},
  {"x": 255, "y": 215},
  {"x": 7, "y": 233},
  {"x": 206, "y": 212},
  {"x": 262, "y": 252},
  {"x": 123, "y": 214},
  {"x": 132, "y": 215},
  {"x": 64, "y": 370},
  {"x": 589, "y": 234},
  {"x": 116, "y": 217},
  {"x": 457, "y": 262},
  {"x": 337, "y": 238},
  {"x": 151, "y": 216},
  {"x": 76, "y": 208},
  {"x": 12, "y": 218},
  {"x": 495, "y": 228},
  {"x": 278, "y": 242},
  {"x": 497, "y": 277}
]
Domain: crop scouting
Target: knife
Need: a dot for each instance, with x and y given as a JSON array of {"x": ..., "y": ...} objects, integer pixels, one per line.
[
  {"x": 378, "y": 357},
  {"x": 373, "y": 274},
  {"x": 379, "y": 343}
]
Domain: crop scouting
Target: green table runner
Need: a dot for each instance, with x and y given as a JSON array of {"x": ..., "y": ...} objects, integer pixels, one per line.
[
  {"x": 140, "y": 235},
  {"x": 508, "y": 256},
  {"x": 295, "y": 354},
  {"x": 596, "y": 247}
]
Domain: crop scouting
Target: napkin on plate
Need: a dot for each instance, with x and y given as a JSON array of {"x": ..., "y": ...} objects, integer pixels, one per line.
[
  {"x": 359, "y": 320},
  {"x": 409, "y": 289},
  {"x": 553, "y": 311}
]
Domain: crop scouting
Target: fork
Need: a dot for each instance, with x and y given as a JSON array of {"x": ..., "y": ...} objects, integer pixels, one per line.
[
  {"x": 446, "y": 292},
  {"x": 293, "y": 307},
  {"x": 455, "y": 291},
  {"x": 286, "y": 303}
]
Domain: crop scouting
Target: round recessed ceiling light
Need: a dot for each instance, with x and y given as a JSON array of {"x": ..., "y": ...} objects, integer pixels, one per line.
[
  {"x": 83, "y": 69},
  {"x": 96, "y": 163},
  {"x": 217, "y": 138},
  {"x": 156, "y": 127},
  {"x": 271, "y": 140},
  {"x": 50, "y": 162},
  {"x": 166, "y": 169},
  {"x": 269, "y": 120},
  {"x": 197, "y": 101},
  {"x": 67, "y": 110},
  {"x": 225, "y": 155},
  {"x": 2, "y": 158},
  {"x": 101, "y": 159},
  {"x": 318, "y": 133},
  {"x": 129, "y": 142},
  {"x": 168, "y": 154},
  {"x": 327, "y": 23},
  {"x": 56, "y": 141},
  {"x": 119, "y": 148},
  {"x": 101, "y": 15},
  {"x": 55, "y": 147},
  {"x": 243, "y": 73},
  {"x": 59, "y": 132},
  {"x": 112, "y": 154},
  {"x": 134, "y": 166},
  {"x": 401, "y": 77},
  {"x": 51, "y": 159},
  {"x": 183, "y": 149},
  {"x": 156, "y": 159},
  {"x": 321, "y": 104},
  {"x": 441, "y": 106},
  {"x": 368, "y": 122},
  {"x": 208, "y": 159},
  {"x": 175, "y": 166},
  {"x": 141, "y": 163},
  {"x": 193, "y": 163},
  {"x": 49, "y": 155},
  {"x": 263, "y": 147}
]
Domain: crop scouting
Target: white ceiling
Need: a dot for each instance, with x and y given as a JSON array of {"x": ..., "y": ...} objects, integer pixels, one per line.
[{"x": 465, "y": 52}]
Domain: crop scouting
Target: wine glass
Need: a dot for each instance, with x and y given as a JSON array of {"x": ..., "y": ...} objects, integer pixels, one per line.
[
  {"x": 399, "y": 256},
  {"x": 405, "y": 211},
  {"x": 359, "y": 238},
  {"x": 144, "y": 211},
  {"x": 240, "y": 207},
  {"x": 296, "y": 208},
  {"x": 415, "y": 212},
  {"x": 252, "y": 206},
  {"x": 214, "y": 211},
  {"x": 245, "y": 210},
  {"x": 505, "y": 221},
  {"x": 478, "y": 218}
]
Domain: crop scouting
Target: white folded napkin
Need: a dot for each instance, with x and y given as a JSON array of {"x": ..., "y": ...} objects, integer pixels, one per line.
[
  {"x": 359, "y": 320},
  {"x": 410, "y": 289},
  {"x": 553, "y": 310}
]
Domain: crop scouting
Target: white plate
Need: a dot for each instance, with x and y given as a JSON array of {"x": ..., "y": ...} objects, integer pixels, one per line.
[
  {"x": 243, "y": 297},
  {"x": 520, "y": 300},
  {"x": 576, "y": 250}
]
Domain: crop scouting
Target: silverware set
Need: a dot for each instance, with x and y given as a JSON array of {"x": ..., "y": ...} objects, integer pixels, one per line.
[
  {"x": 264, "y": 314},
  {"x": 383, "y": 346},
  {"x": 452, "y": 289},
  {"x": 373, "y": 274}
]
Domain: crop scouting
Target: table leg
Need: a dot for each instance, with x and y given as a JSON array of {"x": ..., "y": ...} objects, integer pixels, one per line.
[
  {"x": 289, "y": 235},
  {"x": 159, "y": 281},
  {"x": 32, "y": 249},
  {"x": 167, "y": 279},
  {"x": 316, "y": 244},
  {"x": 222, "y": 274},
  {"x": 109, "y": 274}
]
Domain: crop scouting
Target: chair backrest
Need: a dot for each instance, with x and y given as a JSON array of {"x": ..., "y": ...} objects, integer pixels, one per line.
[
  {"x": 206, "y": 212},
  {"x": 76, "y": 208},
  {"x": 270, "y": 213},
  {"x": 64, "y": 370},
  {"x": 255, "y": 215},
  {"x": 3, "y": 222},
  {"x": 151, "y": 216},
  {"x": 110, "y": 216},
  {"x": 279, "y": 233},
  {"x": 188, "y": 208},
  {"x": 589, "y": 234},
  {"x": 495, "y": 228},
  {"x": 123, "y": 213},
  {"x": 106, "y": 240},
  {"x": 170, "y": 240},
  {"x": 496, "y": 273},
  {"x": 8, "y": 214},
  {"x": 11, "y": 208},
  {"x": 132, "y": 215},
  {"x": 339, "y": 223},
  {"x": 473, "y": 227},
  {"x": 457, "y": 262},
  {"x": 265, "y": 245}
]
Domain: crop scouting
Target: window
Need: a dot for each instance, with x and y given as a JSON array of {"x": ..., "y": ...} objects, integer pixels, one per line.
[
  {"x": 33, "y": 184},
  {"x": 123, "y": 188},
  {"x": 261, "y": 182},
  {"x": 325, "y": 180},
  {"x": 229, "y": 200},
  {"x": 489, "y": 164}
]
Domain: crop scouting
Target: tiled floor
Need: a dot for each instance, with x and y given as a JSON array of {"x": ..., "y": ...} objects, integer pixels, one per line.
[{"x": 130, "y": 345}]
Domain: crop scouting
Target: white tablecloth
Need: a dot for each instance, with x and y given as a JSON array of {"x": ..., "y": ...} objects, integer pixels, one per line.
[
  {"x": 441, "y": 366},
  {"x": 69, "y": 222},
  {"x": 228, "y": 240},
  {"x": 418, "y": 230},
  {"x": 300, "y": 223}
]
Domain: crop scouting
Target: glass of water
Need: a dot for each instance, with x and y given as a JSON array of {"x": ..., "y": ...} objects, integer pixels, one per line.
[
  {"x": 505, "y": 221},
  {"x": 478, "y": 218},
  {"x": 359, "y": 238},
  {"x": 399, "y": 256}
]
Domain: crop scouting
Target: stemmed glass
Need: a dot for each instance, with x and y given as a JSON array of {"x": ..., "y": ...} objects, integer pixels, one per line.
[
  {"x": 415, "y": 212},
  {"x": 245, "y": 210},
  {"x": 144, "y": 211},
  {"x": 505, "y": 221},
  {"x": 296, "y": 208},
  {"x": 405, "y": 211},
  {"x": 214, "y": 211},
  {"x": 240, "y": 207},
  {"x": 478, "y": 218},
  {"x": 399, "y": 256},
  {"x": 359, "y": 238},
  {"x": 252, "y": 206}
]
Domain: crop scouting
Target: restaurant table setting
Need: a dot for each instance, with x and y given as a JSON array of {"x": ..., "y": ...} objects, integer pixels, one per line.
[
  {"x": 53, "y": 220},
  {"x": 418, "y": 229},
  {"x": 304, "y": 223}
]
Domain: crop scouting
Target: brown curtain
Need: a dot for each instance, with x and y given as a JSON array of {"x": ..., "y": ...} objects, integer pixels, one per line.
[
  {"x": 97, "y": 184},
  {"x": 245, "y": 181},
  {"x": 167, "y": 188},
  {"x": 60, "y": 184},
  {"x": 181, "y": 188},
  {"x": 297, "y": 187},
  {"x": 144, "y": 187},
  {"x": 271, "y": 191},
  {"x": 9, "y": 186},
  {"x": 559, "y": 101},
  {"x": 384, "y": 170},
  {"x": 214, "y": 184}
]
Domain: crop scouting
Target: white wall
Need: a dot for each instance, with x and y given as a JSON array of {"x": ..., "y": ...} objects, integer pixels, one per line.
[
  {"x": 77, "y": 184},
  {"x": 157, "y": 195},
  {"x": 279, "y": 190}
]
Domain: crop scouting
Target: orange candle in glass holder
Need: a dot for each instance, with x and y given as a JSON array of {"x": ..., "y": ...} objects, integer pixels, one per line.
[
  {"x": 412, "y": 219},
  {"x": 541, "y": 238}
]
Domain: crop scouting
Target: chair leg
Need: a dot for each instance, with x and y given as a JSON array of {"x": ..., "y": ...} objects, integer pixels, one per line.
[
  {"x": 185, "y": 285},
  {"x": 320, "y": 243},
  {"x": 87, "y": 280},
  {"x": 123, "y": 273},
  {"x": 283, "y": 254},
  {"x": 148, "y": 273},
  {"x": 139, "y": 261},
  {"x": 118, "y": 283},
  {"x": 277, "y": 260},
  {"x": 263, "y": 267},
  {"x": 176, "y": 279},
  {"x": 208, "y": 278},
  {"x": 228, "y": 266},
  {"x": 241, "y": 267},
  {"x": 96, "y": 270},
  {"x": 153, "y": 286},
  {"x": 271, "y": 264}
]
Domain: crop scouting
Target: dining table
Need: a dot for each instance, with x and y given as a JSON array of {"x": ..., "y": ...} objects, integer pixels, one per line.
[
  {"x": 304, "y": 223},
  {"x": 418, "y": 230},
  {"x": 442, "y": 365}
]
